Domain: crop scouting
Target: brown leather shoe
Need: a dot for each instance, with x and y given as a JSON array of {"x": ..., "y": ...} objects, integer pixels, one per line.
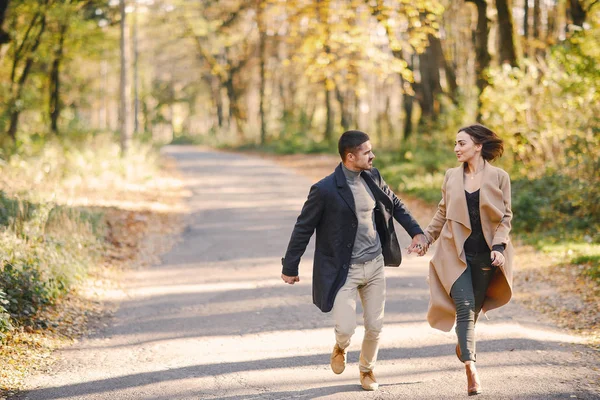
[
  {"x": 473, "y": 383},
  {"x": 338, "y": 359},
  {"x": 368, "y": 381}
]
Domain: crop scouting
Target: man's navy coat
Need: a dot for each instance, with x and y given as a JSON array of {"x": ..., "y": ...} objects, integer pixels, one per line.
[{"x": 330, "y": 210}]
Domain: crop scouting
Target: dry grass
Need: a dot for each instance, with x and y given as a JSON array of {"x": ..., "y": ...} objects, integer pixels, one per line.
[{"x": 142, "y": 217}]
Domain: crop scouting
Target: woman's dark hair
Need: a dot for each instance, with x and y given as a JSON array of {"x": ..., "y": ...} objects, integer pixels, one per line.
[
  {"x": 492, "y": 145},
  {"x": 350, "y": 141}
]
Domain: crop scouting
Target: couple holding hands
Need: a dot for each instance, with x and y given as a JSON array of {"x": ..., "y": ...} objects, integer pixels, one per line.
[{"x": 352, "y": 211}]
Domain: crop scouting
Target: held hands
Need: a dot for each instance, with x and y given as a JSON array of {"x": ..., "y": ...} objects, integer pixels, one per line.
[
  {"x": 497, "y": 259},
  {"x": 419, "y": 245},
  {"x": 290, "y": 279}
]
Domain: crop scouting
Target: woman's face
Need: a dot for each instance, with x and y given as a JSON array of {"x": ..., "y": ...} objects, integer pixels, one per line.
[{"x": 465, "y": 148}]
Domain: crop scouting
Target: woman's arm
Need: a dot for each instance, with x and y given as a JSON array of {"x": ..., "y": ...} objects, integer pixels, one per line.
[
  {"x": 432, "y": 232},
  {"x": 501, "y": 237}
]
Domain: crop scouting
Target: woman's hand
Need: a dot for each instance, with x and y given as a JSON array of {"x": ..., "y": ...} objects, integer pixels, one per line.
[
  {"x": 497, "y": 259},
  {"x": 419, "y": 245}
]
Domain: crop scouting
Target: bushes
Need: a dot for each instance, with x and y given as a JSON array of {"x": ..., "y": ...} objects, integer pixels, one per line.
[
  {"x": 549, "y": 114},
  {"x": 26, "y": 291},
  {"x": 45, "y": 250},
  {"x": 5, "y": 324},
  {"x": 553, "y": 204}
]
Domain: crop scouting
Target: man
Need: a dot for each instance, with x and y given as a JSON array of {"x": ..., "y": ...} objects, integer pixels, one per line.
[{"x": 352, "y": 211}]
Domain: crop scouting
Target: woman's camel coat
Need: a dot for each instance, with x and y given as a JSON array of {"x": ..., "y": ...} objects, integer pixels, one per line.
[{"x": 452, "y": 225}]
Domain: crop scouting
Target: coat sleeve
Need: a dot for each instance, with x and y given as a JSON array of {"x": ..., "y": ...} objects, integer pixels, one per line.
[
  {"x": 432, "y": 232},
  {"x": 401, "y": 213},
  {"x": 303, "y": 230},
  {"x": 503, "y": 230}
]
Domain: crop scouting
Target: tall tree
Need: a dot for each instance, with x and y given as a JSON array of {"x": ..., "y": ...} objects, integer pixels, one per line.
[
  {"x": 537, "y": 28},
  {"x": 482, "y": 55},
  {"x": 123, "y": 95},
  {"x": 507, "y": 39},
  {"x": 429, "y": 87},
  {"x": 22, "y": 62},
  {"x": 525, "y": 26},
  {"x": 136, "y": 54},
  {"x": 54, "y": 105},
  {"x": 4, "y": 37},
  {"x": 262, "y": 39},
  {"x": 578, "y": 12}
]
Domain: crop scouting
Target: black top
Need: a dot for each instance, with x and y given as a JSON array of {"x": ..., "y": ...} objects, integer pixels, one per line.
[{"x": 476, "y": 243}]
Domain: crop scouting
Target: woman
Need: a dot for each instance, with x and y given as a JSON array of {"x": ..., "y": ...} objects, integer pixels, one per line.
[{"x": 471, "y": 268}]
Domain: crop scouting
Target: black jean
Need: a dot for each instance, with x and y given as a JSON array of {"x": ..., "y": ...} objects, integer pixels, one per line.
[{"x": 468, "y": 293}]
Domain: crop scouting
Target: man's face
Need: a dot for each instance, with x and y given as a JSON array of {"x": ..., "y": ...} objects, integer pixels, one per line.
[{"x": 362, "y": 157}]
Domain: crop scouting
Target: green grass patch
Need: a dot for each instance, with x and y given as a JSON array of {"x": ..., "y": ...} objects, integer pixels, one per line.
[
  {"x": 592, "y": 262},
  {"x": 568, "y": 251}
]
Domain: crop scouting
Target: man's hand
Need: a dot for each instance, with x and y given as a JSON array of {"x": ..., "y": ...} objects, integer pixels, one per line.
[
  {"x": 290, "y": 279},
  {"x": 419, "y": 245}
]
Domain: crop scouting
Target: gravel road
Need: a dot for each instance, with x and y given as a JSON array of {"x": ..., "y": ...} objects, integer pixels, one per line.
[{"x": 214, "y": 320}]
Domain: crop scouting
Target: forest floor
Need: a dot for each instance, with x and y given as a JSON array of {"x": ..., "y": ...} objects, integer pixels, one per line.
[{"x": 142, "y": 223}]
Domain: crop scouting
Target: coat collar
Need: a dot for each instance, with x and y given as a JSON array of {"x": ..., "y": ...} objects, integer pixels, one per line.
[
  {"x": 346, "y": 193},
  {"x": 457, "y": 209},
  {"x": 457, "y": 203},
  {"x": 343, "y": 188},
  {"x": 455, "y": 190}
]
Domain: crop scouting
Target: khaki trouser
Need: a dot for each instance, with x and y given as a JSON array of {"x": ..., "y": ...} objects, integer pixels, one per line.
[{"x": 368, "y": 280}]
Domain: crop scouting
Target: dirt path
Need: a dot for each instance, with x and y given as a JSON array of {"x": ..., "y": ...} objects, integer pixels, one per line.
[{"x": 214, "y": 321}]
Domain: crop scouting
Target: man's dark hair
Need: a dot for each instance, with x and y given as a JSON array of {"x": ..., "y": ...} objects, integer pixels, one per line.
[{"x": 350, "y": 141}]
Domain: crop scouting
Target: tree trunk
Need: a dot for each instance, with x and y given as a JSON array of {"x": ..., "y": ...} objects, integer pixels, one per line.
[
  {"x": 262, "y": 56},
  {"x": 54, "y": 104},
  {"x": 578, "y": 13},
  {"x": 218, "y": 99},
  {"x": 525, "y": 27},
  {"x": 429, "y": 87},
  {"x": 408, "y": 105},
  {"x": 146, "y": 114},
  {"x": 552, "y": 27},
  {"x": 436, "y": 46},
  {"x": 388, "y": 118},
  {"x": 13, "y": 109},
  {"x": 482, "y": 56},
  {"x": 344, "y": 115},
  {"x": 507, "y": 40},
  {"x": 136, "y": 95},
  {"x": 328, "y": 106},
  {"x": 4, "y": 38},
  {"x": 537, "y": 28},
  {"x": 123, "y": 100},
  {"x": 328, "y": 83},
  {"x": 234, "y": 107}
]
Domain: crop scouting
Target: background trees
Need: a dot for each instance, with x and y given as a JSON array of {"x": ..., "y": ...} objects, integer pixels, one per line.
[
  {"x": 292, "y": 75},
  {"x": 260, "y": 71}
]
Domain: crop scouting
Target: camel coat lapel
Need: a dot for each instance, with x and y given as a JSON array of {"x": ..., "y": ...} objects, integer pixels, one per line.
[{"x": 451, "y": 225}]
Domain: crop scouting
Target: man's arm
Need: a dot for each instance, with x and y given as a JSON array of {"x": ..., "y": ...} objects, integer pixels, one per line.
[
  {"x": 419, "y": 243},
  {"x": 401, "y": 213},
  {"x": 303, "y": 230}
]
